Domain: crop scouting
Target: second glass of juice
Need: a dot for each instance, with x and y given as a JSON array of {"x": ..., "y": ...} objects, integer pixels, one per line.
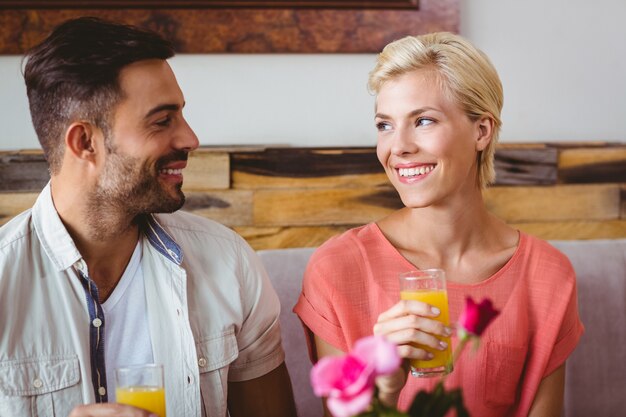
[
  {"x": 429, "y": 286},
  {"x": 141, "y": 386}
]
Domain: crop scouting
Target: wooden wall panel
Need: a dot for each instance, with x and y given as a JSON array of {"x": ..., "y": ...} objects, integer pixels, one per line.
[
  {"x": 310, "y": 168},
  {"x": 517, "y": 166},
  {"x": 12, "y": 204},
  {"x": 229, "y": 207},
  {"x": 207, "y": 170},
  {"x": 623, "y": 198},
  {"x": 571, "y": 230},
  {"x": 293, "y": 197},
  {"x": 23, "y": 171},
  {"x": 336, "y": 206},
  {"x": 557, "y": 203},
  {"x": 289, "y": 237},
  {"x": 593, "y": 165}
]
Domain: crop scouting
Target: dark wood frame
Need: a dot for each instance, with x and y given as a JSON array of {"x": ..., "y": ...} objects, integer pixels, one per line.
[
  {"x": 332, "y": 29},
  {"x": 154, "y": 4}
]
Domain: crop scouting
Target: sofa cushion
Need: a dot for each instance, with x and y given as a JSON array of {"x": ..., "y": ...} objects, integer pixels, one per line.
[{"x": 596, "y": 372}]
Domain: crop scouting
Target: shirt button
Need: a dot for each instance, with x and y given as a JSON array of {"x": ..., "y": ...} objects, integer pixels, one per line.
[
  {"x": 102, "y": 391},
  {"x": 202, "y": 362},
  {"x": 37, "y": 383},
  {"x": 96, "y": 322}
]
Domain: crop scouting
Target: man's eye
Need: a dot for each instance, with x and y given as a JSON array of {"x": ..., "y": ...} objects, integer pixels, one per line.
[
  {"x": 164, "y": 122},
  {"x": 424, "y": 121},
  {"x": 383, "y": 126}
]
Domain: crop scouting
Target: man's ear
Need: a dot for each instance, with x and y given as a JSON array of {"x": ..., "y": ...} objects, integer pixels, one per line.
[
  {"x": 80, "y": 141},
  {"x": 485, "y": 129}
]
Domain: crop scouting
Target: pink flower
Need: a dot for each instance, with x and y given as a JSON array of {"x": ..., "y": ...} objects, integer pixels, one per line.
[
  {"x": 476, "y": 317},
  {"x": 348, "y": 381}
]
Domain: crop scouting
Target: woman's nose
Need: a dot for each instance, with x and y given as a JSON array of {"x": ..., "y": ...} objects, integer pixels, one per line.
[{"x": 404, "y": 141}]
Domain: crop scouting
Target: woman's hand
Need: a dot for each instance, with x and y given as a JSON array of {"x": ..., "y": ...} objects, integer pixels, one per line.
[{"x": 408, "y": 323}]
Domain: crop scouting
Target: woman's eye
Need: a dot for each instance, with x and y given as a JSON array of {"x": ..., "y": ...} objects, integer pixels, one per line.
[
  {"x": 383, "y": 126},
  {"x": 424, "y": 121}
]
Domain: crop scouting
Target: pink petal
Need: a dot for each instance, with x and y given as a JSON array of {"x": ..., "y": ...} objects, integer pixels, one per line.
[
  {"x": 326, "y": 373},
  {"x": 476, "y": 317},
  {"x": 377, "y": 352},
  {"x": 347, "y": 407}
]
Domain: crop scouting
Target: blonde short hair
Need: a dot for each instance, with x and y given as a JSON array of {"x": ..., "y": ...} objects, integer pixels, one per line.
[{"x": 465, "y": 73}]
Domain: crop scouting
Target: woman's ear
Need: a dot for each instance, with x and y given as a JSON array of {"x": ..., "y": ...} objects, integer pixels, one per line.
[
  {"x": 485, "y": 128},
  {"x": 79, "y": 141}
]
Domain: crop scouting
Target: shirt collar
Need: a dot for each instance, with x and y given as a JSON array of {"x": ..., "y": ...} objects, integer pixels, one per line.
[
  {"x": 161, "y": 240},
  {"x": 54, "y": 238},
  {"x": 60, "y": 248}
]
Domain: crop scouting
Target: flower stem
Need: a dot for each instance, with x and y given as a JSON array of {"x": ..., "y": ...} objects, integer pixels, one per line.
[{"x": 455, "y": 355}]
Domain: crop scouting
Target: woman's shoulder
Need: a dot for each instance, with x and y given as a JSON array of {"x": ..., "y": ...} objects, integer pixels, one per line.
[
  {"x": 346, "y": 253},
  {"x": 546, "y": 262},
  {"x": 349, "y": 244}
]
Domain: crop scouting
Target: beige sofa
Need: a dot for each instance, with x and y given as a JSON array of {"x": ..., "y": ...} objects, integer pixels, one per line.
[{"x": 596, "y": 372}]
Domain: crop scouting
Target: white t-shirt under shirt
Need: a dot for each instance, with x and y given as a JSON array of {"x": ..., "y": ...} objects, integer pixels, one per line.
[{"x": 126, "y": 332}]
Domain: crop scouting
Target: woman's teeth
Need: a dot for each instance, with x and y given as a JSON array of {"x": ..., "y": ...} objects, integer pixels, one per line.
[{"x": 412, "y": 172}]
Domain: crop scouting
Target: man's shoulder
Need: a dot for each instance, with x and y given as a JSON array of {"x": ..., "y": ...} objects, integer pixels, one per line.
[
  {"x": 15, "y": 229},
  {"x": 181, "y": 224}
]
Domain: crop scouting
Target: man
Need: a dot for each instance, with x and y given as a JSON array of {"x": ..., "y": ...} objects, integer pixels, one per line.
[{"x": 91, "y": 279}]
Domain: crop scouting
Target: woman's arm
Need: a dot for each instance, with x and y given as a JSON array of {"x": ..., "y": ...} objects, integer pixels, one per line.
[
  {"x": 325, "y": 349},
  {"x": 549, "y": 399}
]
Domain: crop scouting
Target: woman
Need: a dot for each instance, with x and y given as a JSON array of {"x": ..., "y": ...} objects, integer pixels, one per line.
[{"x": 438, "y": 103}]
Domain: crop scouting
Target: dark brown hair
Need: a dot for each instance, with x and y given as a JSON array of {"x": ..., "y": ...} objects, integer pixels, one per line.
[{"x": 73, "y": 75}]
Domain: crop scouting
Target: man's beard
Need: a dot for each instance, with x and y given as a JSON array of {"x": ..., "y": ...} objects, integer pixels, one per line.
[{"x": 133, "y": 188}]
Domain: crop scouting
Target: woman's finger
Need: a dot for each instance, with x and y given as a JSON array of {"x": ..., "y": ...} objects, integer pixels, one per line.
[
  {"x": 412, "y": 321},
  {"x": 406, "y": 307}
]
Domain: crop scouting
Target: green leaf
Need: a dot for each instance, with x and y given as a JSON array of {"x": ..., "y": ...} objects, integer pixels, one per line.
[{"x": 438, "y": 403}]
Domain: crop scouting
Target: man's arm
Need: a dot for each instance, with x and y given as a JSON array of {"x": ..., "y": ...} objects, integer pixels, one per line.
[
  {"x": 549, "y": 399},
  {"x": 269, "y": 395}
]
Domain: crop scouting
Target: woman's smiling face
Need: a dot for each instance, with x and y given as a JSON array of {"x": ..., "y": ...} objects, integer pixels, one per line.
[{"x": 426, "y": 143}]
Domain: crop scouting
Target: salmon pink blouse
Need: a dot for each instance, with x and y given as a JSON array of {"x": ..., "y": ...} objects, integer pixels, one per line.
[{"x": 353, "y": 278}]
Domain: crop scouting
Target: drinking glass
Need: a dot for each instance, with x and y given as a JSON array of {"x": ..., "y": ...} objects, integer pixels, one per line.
[
  {"x": 429, "y": 286},
  {"x": 141, "y": 386}
]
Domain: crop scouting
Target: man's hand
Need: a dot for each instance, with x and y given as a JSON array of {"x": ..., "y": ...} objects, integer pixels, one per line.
[{"x": 109, "y": 410}]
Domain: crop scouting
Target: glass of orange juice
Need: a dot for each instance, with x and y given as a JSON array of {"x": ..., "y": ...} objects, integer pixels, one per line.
[
  {"x": 429, "y": 286},
  {"x": 141, "y": 386}
]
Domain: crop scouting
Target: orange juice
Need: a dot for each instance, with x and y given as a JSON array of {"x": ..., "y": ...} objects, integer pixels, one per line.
[
  {"x": 149, "y": 398},
  {"x": 439, "y": 299}
]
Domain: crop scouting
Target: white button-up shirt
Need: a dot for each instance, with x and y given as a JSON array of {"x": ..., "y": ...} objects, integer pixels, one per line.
[{"x": 212, "y": 312}]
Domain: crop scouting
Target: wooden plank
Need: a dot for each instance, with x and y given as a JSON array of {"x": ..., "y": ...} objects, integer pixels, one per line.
[
  {"x": 313, "y": 236},
  {"x": 307, "y": 168},
  {"x": 337, "y": 206},
  {"x": 12, "y": 204},
  {"x": 574, "y": 230},
  {"x": 242, "y": 180},
  {"x": 23, "y": 171},
  {"x": 230, "y": 207},
  {"x": 593, "y": 165},
  {"x": 357, "y": 167},
  {"x": 525, "y": 166},
  {"x": 623, "y": 199},
  {"x": 207, "y": 170},
  {"x": 555, "y": 203},
  {"x": 288, "y": 237}
]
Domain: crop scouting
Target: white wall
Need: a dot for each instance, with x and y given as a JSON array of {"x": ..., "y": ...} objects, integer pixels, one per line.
[{"x": 562, "y": 63}]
